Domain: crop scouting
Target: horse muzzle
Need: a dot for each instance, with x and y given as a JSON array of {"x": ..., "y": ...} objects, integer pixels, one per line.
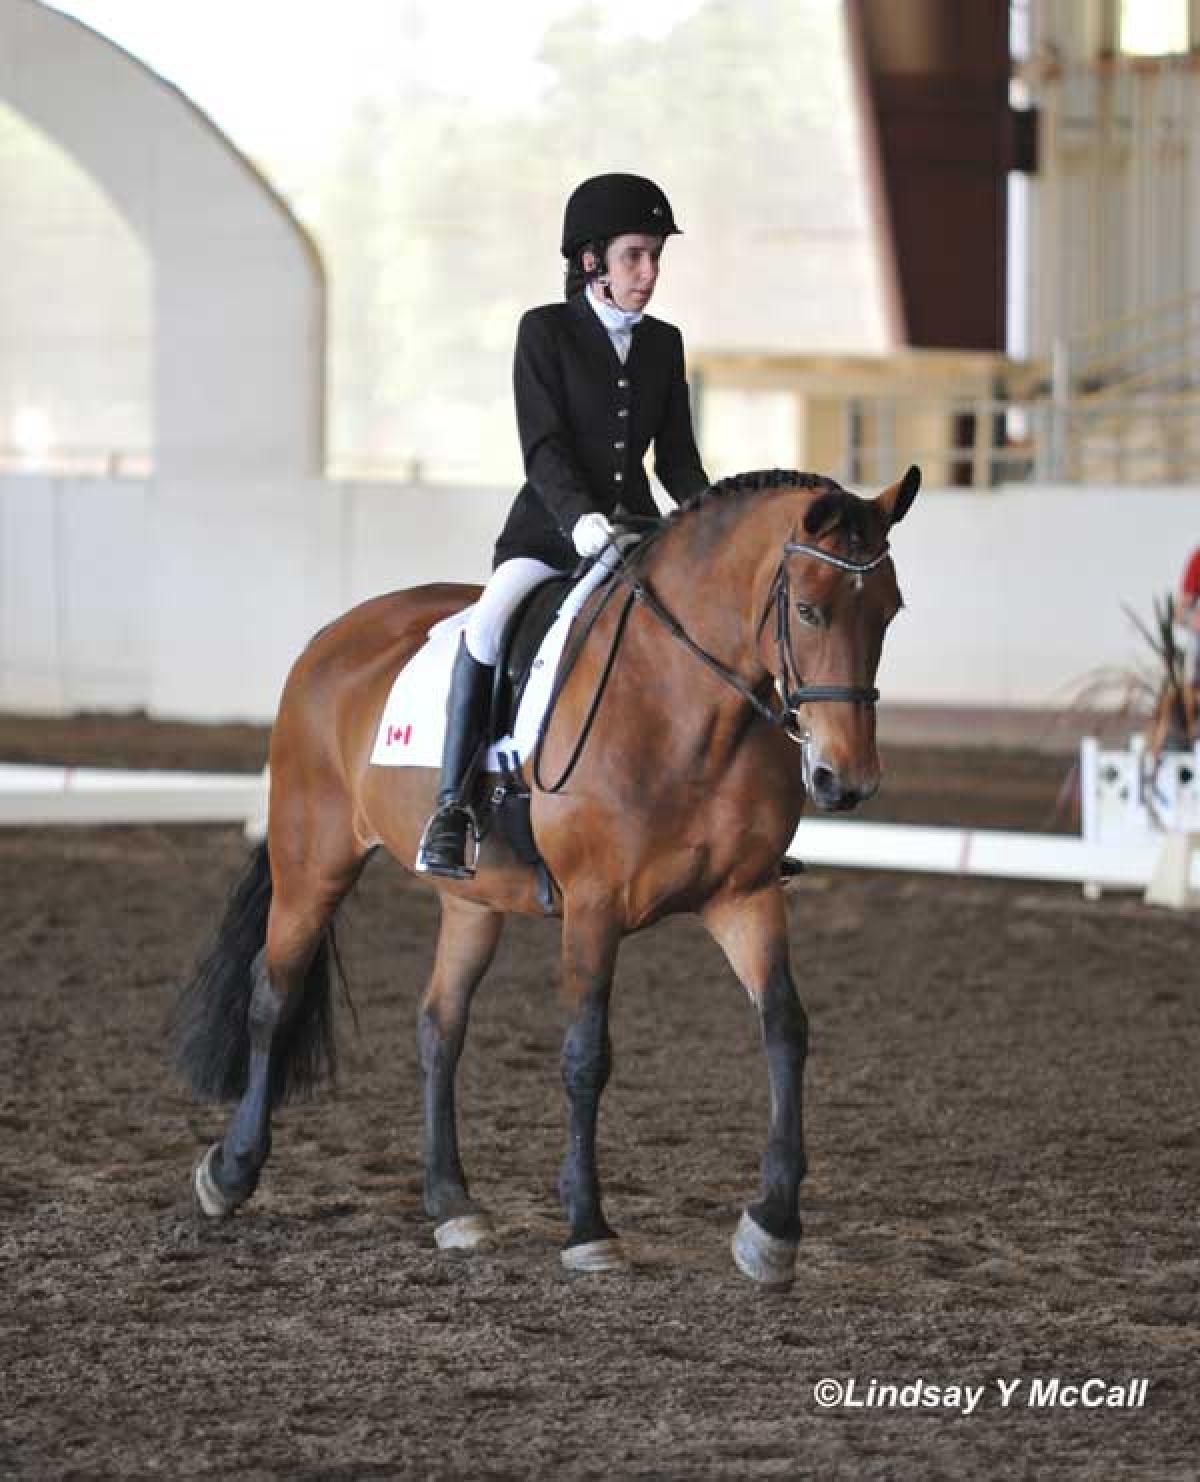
[
  {"x": 833, "y": 794},
  {"x": 837, "y": 789}
]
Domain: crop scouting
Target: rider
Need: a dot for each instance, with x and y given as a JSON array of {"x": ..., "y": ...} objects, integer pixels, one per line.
[{"x": 596, "y": 381}]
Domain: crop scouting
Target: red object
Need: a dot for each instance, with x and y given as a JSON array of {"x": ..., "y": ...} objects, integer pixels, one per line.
[{"x": 1190, "y": 586}]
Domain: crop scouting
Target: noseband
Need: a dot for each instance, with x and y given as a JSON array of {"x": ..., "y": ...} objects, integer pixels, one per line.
[{"x": 792, "y": 687}]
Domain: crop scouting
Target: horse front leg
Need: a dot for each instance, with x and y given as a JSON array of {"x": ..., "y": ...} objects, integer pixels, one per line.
[
  {"x": 466, "y": 945},
  {"x": 590, "y": 940},
  {"x": 752, "y": 931}
]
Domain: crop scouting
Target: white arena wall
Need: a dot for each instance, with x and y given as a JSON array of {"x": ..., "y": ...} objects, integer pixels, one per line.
[{"x": 190, "y": 601}]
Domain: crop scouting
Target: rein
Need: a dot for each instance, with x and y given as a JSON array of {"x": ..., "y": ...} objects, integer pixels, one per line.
[
  {"x": 564, "y": 674},
  {"x": 794, "y": 691}
]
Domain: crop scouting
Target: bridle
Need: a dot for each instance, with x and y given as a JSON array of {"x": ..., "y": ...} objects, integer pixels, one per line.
[{"x": 792, "y": 689}]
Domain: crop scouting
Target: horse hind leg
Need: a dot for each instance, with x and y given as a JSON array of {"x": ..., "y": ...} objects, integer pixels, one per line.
[
  {"x": 227, "y": 1176},
  {"x": 466, "y": 945},
  {"x": 288, "y": 1024}
]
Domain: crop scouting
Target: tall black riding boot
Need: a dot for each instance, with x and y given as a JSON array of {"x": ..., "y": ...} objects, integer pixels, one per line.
[{"x": 443, "y": 847}]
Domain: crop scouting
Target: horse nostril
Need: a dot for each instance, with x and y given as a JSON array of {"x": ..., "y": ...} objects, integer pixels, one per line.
[{"x": 830, "y": 792}]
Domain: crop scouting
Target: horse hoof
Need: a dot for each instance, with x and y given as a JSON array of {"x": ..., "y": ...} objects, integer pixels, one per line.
[
  {"x": 596, "y": 1255},
  {"x": 211, "y": 1201},
  {"x": 762, "y": 1257},
  {"x": 464, "y": 1232}
]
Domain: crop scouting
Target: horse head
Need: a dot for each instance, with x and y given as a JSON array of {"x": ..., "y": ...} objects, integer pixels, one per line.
[{"x": 832, "y": 596}]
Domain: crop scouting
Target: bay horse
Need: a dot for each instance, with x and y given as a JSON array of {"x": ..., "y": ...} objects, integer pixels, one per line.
[{"x": 752, "y": 620}]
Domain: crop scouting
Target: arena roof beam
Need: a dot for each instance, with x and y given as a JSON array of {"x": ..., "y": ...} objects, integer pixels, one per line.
[{"x": 936, "y": 74}]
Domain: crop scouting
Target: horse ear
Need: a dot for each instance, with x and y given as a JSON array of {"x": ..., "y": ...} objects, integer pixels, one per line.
[{"x": 895, "y": 501}]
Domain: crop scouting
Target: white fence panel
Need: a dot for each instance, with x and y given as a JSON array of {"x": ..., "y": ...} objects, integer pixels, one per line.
[{"x": 192, "y": 600}]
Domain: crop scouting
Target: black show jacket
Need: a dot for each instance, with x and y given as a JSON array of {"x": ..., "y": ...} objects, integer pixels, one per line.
[{"x": 585, "y": 422}]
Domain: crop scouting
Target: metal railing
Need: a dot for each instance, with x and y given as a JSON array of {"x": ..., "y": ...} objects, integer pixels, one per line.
[
  {"x": 981, "y": 443},
  {"x": 1118, "y": 405},
  {"x": 960, "y": 442},
  {"x": 1133, "y": 384},
  {"x": 1155, "y": 350}
]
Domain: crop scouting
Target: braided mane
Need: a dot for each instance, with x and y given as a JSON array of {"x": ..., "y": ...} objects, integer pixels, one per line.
[
  {"x": 833, "y": 509},
  {"x": 754, "y": 483}
]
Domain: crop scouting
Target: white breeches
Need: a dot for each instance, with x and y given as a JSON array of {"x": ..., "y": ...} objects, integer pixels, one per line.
[{"x": 510, "y": 581}]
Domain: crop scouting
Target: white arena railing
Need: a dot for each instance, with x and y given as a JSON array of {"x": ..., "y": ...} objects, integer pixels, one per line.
[
  {"x": 36, "y": 797},
  {"x": 32, "y": 796}
]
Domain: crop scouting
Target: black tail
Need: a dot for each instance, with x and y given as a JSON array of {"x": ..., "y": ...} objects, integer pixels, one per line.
[{"x": 209, "y": 1033}]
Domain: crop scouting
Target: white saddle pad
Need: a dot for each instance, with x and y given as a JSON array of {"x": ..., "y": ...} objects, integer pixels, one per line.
[{"x": 414, "y": 718}]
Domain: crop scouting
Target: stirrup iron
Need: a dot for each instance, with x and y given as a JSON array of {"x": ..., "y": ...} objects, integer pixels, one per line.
[{"x": 472, "y": 831}]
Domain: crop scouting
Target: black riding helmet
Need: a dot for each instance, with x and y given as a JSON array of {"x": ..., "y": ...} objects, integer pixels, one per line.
[{"x": 608, "y": 206}]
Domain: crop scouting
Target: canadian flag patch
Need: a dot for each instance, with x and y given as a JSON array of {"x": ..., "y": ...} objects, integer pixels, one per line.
[{"x": 399, "y": 735}]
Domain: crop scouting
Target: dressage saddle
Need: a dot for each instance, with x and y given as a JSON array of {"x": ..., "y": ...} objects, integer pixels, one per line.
[
  {"x": 507, "y": 805},
  {"x": 522, "y": 637}
]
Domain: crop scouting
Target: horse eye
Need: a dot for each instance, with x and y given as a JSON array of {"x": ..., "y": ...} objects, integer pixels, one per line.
[{"x": 808, "y": 614}]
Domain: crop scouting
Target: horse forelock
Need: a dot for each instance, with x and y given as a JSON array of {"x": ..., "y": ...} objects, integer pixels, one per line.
[{"x": 837, "y": 511}]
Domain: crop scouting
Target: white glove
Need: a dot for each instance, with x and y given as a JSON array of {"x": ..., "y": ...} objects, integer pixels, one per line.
[{"x": 592, "y": 534}]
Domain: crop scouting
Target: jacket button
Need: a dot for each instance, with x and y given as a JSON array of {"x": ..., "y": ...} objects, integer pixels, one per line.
[
  {"x": 622, "y": 383},
  {"x": 622, "y": 411},
  {"x": 618, "y": 477},
  {"x": 618, "y": 446}
]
